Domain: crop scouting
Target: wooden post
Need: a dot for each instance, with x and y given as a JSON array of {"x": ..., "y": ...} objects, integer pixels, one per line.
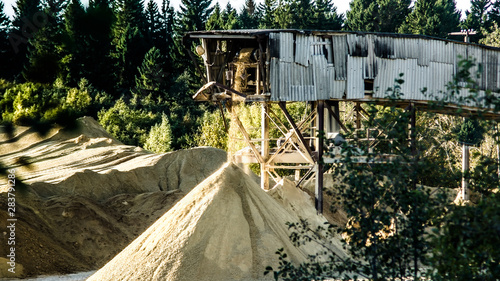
[
  {"x": 319, "y": 161},
  {"x": 264, "y": 175}
]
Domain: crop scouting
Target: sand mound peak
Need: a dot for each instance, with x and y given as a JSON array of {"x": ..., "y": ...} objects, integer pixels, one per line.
[{"x": 226, "y": 228}]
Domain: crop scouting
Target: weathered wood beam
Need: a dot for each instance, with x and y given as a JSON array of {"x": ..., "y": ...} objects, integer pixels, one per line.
[
  {"x": 302, "y": 141},
  {"x": 247, "y": 137}
]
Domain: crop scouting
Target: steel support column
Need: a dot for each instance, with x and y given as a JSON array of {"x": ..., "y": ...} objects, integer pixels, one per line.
[{"x": 264, "y": 175}]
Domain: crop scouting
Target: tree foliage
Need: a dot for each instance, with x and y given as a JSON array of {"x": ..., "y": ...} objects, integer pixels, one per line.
[
  {"x": 430, "y": 17},
  {"x": 377, "y": 16}
]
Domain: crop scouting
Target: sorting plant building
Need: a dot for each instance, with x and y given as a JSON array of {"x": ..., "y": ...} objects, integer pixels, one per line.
[{"x": 322, "y": 68}]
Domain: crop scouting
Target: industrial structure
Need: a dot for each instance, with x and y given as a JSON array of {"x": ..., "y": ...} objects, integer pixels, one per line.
[{"x": 322, "y": 68}]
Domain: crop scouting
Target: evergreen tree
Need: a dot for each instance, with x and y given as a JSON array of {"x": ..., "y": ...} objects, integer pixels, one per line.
[
  {"x": 247, "y": 17},
  {"x": 153, "y": 23},
  {"x": 494, "y": 13},
  {"x": 363, "y": 16},
  {"x": 166, "y": 37},
  {"x": 214, "y": 22},
  {"x": 266, "y": 12},
  {"x": 377, "y": 16},
  {"x": 477, "y": 18},
  {"x": 6, "y": 53},
  {"x": 194, "y": 14},
  {"x": 44, "y": 47},
  {"x": 99, "y": 21},
  {"x": 230, "y": 18},
  {"x": 431, "y": 17},
  {"x": 129, "y": 41},
  {"x": 28, "y": 19},
  {"x": 301, "y": 15},
  {"x": 150, "y": 83},
  {"x": 325, "y": 16}
]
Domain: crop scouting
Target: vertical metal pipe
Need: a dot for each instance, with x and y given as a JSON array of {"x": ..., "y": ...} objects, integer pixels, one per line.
[
  {"x": 319, "y": 162},
  {"x": 264, "y": 175},
  {"x": 465, "y": 169}
]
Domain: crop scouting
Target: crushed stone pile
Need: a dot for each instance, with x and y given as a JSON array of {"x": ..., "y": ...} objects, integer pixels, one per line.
[{"x": 226, "y": 228}]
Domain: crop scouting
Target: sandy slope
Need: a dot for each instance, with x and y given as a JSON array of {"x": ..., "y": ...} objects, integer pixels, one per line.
[
  {"x": 227, "y": 228},
  {"x": 89, "y": 195}
]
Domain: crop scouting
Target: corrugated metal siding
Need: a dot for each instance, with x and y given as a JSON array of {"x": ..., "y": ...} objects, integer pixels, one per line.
[
  {"x": 355, "y": 84},
  {"x": 339, "y": 47},
  {"x": 302, "y": 49},
  {"x": 307, "y": 67}
]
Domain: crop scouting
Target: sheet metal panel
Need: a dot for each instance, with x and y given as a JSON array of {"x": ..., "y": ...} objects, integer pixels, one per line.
[
  {"x": 302, "y": 49},
  {"x": 320, "y": 76},
  {"x": 286, "y": 46},
  {"x": 355, "y": 84},
  {"x": 339, "y": 46},
  {"x": 356, "y": 45}
]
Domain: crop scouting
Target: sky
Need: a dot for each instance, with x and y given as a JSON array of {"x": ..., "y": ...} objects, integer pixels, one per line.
[{"x": 342, "y": 5}]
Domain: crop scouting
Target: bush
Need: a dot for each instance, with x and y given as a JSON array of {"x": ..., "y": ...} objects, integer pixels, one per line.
[
  {"x": 160, "y": 137},
  {"x": 127, "y": 124},
  {"x": 212, "y": 131}
]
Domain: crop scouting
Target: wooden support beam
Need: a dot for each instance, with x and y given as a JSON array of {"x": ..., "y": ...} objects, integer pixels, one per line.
[
  {"x": 246, "y": 136},
  {"x": 289, "y": 118},
  {"x": 319, "y": 163}
]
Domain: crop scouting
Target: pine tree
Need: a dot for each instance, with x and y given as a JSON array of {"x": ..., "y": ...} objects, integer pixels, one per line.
[
  {"x": 214, "y": 22},
  {"x": 44, "y": 47},
  {"x": 301, "y": 17},
  {"x": 477, "y": 18},
  {"x": 494, "y": 13},
  {"x": 166, "y": 37},
  {"x": 377, "y": 16},
  {"x": 430, "y": 17},
  {"x": 363, "y": 16},
  {"x": 100, "y": 19},
  {"x": 6, "y": 53},
  {"x": 248, "y": 14},
  {"x": 28, "y": 19},
  {"x": 194, "y": 14},
  {"x": 129, "y": 41},
  {"x": 153, "y": 23},
  {"x": 266, "y": 12},
  {"x": 230, "y": 18},
  {"x": 325, "y": 16},
  {"x": 151, "y": 81}
]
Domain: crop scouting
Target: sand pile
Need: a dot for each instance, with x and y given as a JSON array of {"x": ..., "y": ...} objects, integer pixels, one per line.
[
  {"x": 87, "y": 161},
  {"x": 89, "y": 195},
  {"x": 227, "y": 228}
]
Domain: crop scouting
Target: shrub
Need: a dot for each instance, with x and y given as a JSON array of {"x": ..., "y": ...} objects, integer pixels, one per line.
[
  {"x": 212, "y": 131},
  {"x": 160, "y": 137}
]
